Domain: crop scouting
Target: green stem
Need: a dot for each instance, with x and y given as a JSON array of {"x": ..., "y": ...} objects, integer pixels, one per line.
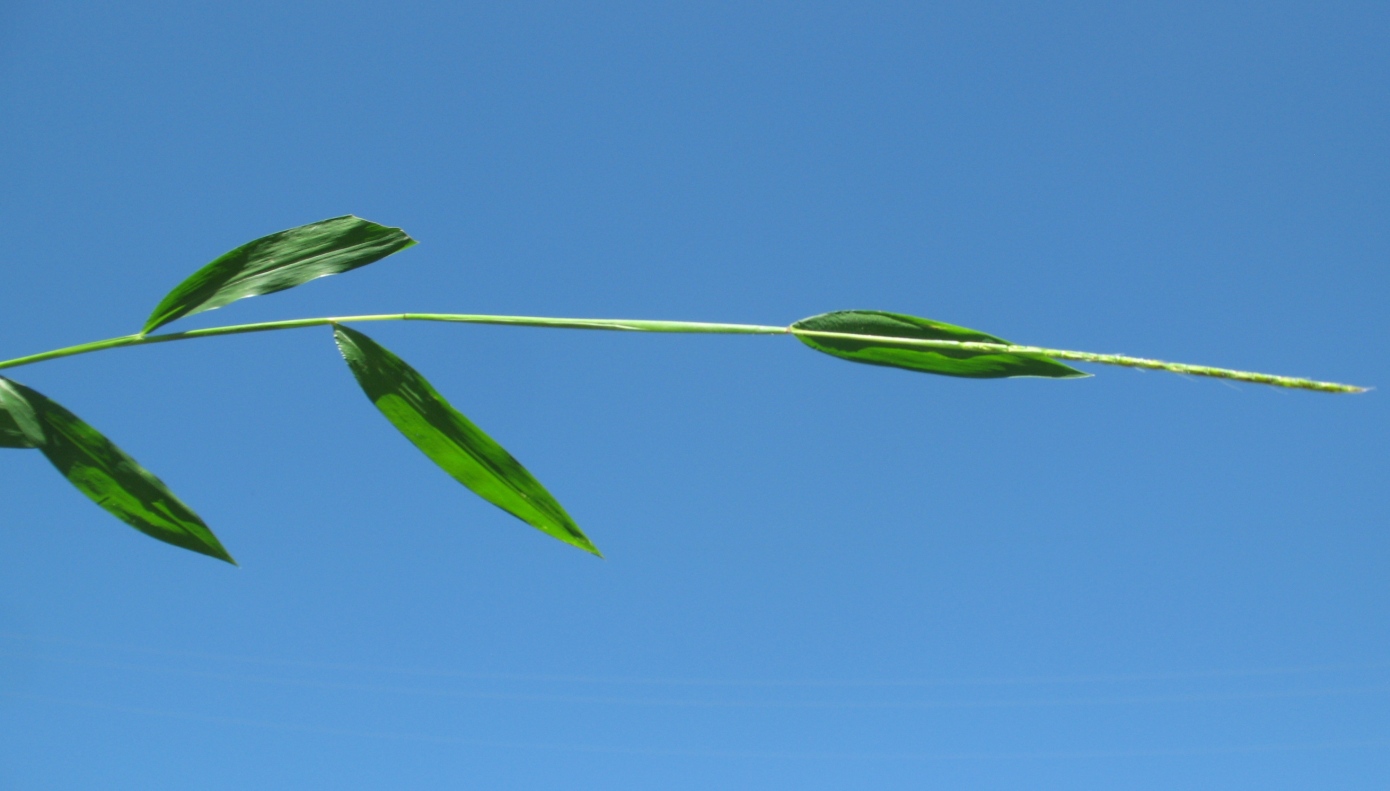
[
  {"x": 629, "y": 325},
  {"x": 642, "y": 325}
]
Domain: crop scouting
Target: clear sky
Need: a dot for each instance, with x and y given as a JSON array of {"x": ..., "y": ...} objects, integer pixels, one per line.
[{"x": 818, "y": 575}]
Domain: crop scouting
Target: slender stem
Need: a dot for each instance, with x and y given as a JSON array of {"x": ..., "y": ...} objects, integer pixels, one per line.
[
  {"x": 629, "y": 325},
  {"x": 643, "y": 325}
]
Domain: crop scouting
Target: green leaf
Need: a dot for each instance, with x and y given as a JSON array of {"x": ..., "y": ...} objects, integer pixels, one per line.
[
  {"x": 280, "y": 261},
  {"x": 103, "y": 472},
  {"x": 451, "y": 440},
  {"x": 950, "y": 362}
]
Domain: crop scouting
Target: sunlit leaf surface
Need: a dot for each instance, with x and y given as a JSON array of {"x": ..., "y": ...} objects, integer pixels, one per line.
[
  {"x": 280, "y": 261},
  {"x": 451, "y": 440},
  {"x": 19, "y": 426}
]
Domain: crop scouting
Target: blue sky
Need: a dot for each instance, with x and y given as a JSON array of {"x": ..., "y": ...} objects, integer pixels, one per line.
[{"x": 817, "y": 574}]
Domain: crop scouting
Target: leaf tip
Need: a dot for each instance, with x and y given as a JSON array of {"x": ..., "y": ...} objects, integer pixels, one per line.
[
  {"x": 573, "y": 536},
  {"x": 208, "y": 545}
]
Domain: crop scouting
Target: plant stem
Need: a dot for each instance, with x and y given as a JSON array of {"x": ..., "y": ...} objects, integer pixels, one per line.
[
  {"x": 643, "y": 325},
  {"x": 629, "y": 325}
]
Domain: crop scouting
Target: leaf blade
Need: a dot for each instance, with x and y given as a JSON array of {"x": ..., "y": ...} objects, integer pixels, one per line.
[
  {"x": 106, "y": 474},
  {"x": 452, "y": 441},
  {"x": 943, "y": 361},
  {"x": 279, "y": 261}
]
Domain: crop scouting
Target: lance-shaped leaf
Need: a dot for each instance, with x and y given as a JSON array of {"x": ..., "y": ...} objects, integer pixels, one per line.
[
  {"x": 103, "y": 472},
  {"x": 280, "y": 261},
  {"x": 451, "y": 440},
  {"x": 947, "y": 361}
]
